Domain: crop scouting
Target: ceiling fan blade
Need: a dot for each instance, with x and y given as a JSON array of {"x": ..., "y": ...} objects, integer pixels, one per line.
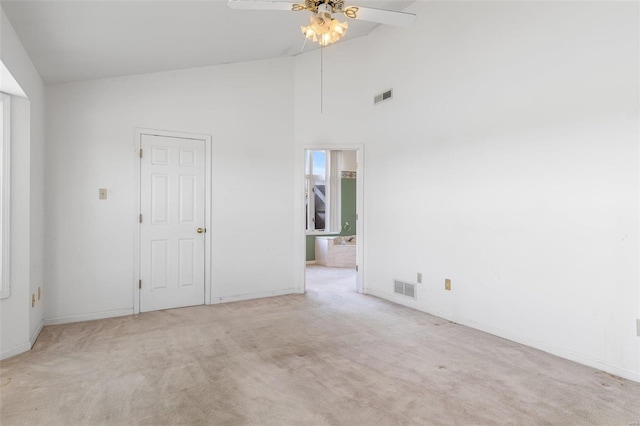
[
  {"x": 261, "y": 5},
  {"x": 381, "y": 16}
]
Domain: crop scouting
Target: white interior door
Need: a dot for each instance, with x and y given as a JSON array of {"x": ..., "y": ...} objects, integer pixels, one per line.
[{"x": 172, "y": 207}]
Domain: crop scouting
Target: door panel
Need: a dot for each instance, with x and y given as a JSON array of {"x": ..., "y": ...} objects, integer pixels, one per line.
[
  {"x": 187, "y": 262},
  {"x": 172, "y": 177}
]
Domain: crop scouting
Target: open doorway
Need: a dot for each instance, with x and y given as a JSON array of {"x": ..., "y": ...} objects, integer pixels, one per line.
[{"x": 332, "y": 243}]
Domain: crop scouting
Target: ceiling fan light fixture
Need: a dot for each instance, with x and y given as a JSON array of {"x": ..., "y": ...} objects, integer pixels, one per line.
[{"x": 324, "y": 29}]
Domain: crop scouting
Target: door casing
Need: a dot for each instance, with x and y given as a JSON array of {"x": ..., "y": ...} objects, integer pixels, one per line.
[{"x": 207, "y": 205}]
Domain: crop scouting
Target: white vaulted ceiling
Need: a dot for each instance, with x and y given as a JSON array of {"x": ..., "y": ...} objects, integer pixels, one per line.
[{"x": 88, "y": 39}]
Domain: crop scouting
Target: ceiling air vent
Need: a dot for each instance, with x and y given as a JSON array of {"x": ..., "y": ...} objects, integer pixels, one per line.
[
  {"x": 404, "y": 288},
  {"x": 383, "y": 96}
]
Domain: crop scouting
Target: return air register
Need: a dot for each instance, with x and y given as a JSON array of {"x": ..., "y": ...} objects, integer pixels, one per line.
[
  {"x": 404, "y": 288},
  {"x": 383, "y": 96}
]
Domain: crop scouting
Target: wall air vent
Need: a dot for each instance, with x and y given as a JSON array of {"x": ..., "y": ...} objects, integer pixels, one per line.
[
  {"x": 383, "y": 96},
  {"x": 404, "y": 288}
]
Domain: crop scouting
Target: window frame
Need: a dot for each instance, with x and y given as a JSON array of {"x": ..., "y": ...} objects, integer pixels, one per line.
[{"x": 310, "y": 177}]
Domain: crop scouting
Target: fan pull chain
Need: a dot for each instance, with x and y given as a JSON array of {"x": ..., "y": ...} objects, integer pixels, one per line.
[{"x": 321, "y": 77}]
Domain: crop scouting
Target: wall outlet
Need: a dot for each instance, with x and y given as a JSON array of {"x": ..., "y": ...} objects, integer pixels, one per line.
[
  {"x": 447, "y": 284},
  {"x": 419, "y": 278},
  {"x": 102, "y": 193}
]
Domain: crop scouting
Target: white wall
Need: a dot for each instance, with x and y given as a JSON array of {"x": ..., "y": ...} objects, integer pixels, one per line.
[
  {"x": 247, "y": 108},
  {"x": 507, "y": 160},
  {"x": 20, "y": 322}
]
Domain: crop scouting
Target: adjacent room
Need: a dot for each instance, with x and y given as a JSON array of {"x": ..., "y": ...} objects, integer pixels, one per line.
[
  {"x": 326, "y": 213},
  {"x": 331, "y": 209}
]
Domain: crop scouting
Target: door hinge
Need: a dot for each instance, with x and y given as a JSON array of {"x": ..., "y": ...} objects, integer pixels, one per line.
[
  {"x": 139, "y": 283},
  {"x": 140, "y": 152},
  {"x": 140, "y": 217},
  {"x": 356, "y": 268}
]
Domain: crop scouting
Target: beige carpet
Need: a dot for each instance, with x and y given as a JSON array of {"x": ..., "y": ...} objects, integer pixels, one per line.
[{"x": 330, "y": 357}]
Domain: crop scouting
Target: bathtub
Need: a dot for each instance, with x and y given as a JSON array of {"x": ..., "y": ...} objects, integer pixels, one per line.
[{"x": 337, "y": 252}]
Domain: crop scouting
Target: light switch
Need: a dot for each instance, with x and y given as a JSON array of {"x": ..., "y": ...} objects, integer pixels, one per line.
[{"x": 102, "y": 193}]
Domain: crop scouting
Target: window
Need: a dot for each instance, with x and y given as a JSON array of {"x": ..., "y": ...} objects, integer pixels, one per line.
[
  {"x": 316, "y": 194},
  {"x": 5, "y": 195},
  {"x": 322, "y": 191}
]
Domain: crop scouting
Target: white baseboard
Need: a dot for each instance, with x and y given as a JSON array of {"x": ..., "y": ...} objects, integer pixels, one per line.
[
  {"x": 87, "y": 317},
  {"x": 36, "y": 333},
  {"x": 24, "y": 347},
  {"x": 559, "y": 351},
  {"x": 404, "y": 301},
  {"x": 259, "y": 295},
  {"x": 546, "y": 347},
  {"x": 311, "y": 262}
]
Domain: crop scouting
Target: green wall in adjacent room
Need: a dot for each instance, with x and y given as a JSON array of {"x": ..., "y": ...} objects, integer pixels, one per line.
[
  {"x": 348, "y": 207},
  {"x": 348, "y": 211}
]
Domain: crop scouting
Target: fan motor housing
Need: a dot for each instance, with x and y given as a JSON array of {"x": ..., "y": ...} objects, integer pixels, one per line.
[{"x": 335, "y": 5}]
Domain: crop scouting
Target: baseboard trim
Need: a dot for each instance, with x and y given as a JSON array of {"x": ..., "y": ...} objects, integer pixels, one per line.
[
  {"x": 15, "y": 351},
  {"x": 561, "y": 352},
  {"x": 87, "y": 317},
  {"x": 36, "y": 333},
  {"x": 250, "y": 296},
  {"x": 24, "y": 347},
  {"x": 404, "y": 301}
]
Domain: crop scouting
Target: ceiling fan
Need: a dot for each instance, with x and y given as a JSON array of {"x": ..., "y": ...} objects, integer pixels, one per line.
[{"x": 323, "y": 28}]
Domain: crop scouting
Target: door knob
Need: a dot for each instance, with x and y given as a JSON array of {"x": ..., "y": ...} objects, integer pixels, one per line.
[{"x": 200, "y": 230}]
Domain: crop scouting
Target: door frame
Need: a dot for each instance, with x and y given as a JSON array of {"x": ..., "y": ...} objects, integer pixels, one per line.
[
  {"x": 207, "y": 207},
  {"x": 300, "y": 233}
]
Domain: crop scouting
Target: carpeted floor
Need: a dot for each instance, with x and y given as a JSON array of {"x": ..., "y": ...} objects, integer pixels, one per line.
[{"x": 330, "y": 357}]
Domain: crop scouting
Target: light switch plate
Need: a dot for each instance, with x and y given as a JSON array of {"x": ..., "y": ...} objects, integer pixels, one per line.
[
  {"x": 447, "y": 284},
  {"x": 102, "y": 193}
]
